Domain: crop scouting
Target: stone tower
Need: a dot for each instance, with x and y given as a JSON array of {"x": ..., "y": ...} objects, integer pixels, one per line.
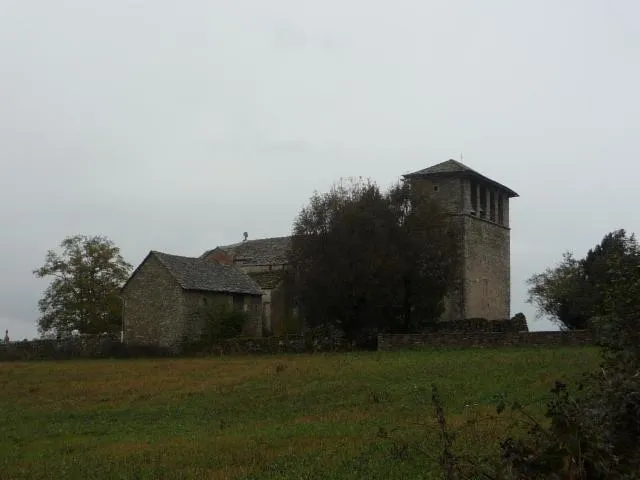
[{"x": 479, "y": 209}]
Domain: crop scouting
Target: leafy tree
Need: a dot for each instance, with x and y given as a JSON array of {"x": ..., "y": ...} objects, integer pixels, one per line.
[
  {"x": 366, "y": 260},
  {"x": 557, "y": 293},
  {"x": 423, "y": 254},
  {"x": 83, "y": 294},
  {"x": 575, "y": 291}
]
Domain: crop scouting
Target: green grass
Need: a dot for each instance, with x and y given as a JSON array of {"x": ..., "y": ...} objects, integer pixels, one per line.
[{"x": 305, "y": 416}]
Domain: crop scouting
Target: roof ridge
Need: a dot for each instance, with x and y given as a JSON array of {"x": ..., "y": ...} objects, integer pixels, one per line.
[{"x": 244, "y": 242}]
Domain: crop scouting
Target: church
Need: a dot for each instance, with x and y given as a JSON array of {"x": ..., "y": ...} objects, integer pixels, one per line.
[{"x": 164, "y": 294}]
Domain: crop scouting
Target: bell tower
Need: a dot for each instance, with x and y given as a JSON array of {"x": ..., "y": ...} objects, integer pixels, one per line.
[{"x": 478, "y": 208}]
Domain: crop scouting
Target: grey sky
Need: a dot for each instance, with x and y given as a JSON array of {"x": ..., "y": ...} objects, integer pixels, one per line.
[{"x": 176, "y": 126}]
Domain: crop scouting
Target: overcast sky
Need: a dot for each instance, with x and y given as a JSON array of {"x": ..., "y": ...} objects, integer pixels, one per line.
[{"x": 177, "y": 126}]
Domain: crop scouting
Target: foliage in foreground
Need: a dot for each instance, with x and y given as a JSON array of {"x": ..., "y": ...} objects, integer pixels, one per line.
[
  {"x": 83, "y": 294},
  {"x": 594, "y": 433}
]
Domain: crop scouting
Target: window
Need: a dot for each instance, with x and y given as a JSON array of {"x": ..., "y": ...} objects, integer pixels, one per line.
[
  {"x": 436, "y": 188},
  {"x": 483, "y": 202},
  {"x": 500, "y": 209}
]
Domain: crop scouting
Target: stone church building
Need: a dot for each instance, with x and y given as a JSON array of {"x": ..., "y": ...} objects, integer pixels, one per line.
[{"x": 252, "y": 274}]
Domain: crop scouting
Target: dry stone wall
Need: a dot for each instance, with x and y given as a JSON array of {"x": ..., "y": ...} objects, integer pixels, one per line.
[{"x": 392, "y": 342}]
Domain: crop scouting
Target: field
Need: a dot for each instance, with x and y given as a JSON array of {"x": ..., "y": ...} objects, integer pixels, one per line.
[{"x": 360, "y": 415}]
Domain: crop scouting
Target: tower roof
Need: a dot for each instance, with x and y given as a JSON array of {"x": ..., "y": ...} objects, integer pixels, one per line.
[{"x": 453, "y": 167}]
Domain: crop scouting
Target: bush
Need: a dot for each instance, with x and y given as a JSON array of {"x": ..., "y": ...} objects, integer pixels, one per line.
[
  {"x": 222, "y": 321},
  {"x": 592, "y": 433}
]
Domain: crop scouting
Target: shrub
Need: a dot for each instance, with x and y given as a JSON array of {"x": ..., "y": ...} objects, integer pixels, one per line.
[{"x": 222, "y": 321}]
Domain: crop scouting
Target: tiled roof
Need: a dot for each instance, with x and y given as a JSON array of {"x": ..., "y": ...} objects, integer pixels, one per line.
[
  {"x": 198, "y": 274},
  {"x": 452, "y": 167},
  {"x": 267, "y": 280},
  {"x": 265, "y": 251}
]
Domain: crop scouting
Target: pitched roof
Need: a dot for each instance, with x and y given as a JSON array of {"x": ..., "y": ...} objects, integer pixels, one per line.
[
  {"x": 197, "y": 274},
  {"x": 265, "y": 251},
  {"x": 455, "y": 167}
]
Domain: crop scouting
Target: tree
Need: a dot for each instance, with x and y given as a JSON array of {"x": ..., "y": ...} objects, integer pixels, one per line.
[
  {"x": 83, "y": 294},
  {"x": 366, "y": 260},
  {"x": 574, "y": 291},
  {"x": 425, "y": 255},
  {"x": 556, "y": 292}
]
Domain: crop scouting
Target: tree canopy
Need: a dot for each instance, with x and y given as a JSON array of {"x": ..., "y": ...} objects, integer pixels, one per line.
[
  {"x": 367, "y": 260},
  {"x": 83, "y": 294},
  {"x": 577, "y": 290}
]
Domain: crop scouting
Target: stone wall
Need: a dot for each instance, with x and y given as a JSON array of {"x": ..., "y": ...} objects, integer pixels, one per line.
[
  {"x": 107, "y": 346},
  {"x": 282, "y": 305},
  {"x": 153, "y": 306},
  {"x": 81, "y": 346},
  {"x": 272, "y": 345},
  {"x": 516, "y": 324},
  {"x": 253, "y": 307},
  {"x": 194, "y": 305},
  {"x": 195, "y": 302},
  {"x": 391, "y": 342},
  {"x": 219, "y": 256},
  {"x": 486, "y": 269}
]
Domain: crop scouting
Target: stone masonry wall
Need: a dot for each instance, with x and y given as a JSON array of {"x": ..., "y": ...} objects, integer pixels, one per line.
[
  {"x": 454, "y": 299},
  {"x": 518, "y": 323},
  {"x": 77, "y": 347},
  {"x": 482, "y": 284},
  {"x": 282, "y": 304},
  {"x": 391, "y": 342},
  {"x": 448, "y": 191},
  {"x": 219, "y": 256},
  {"x": 107, "y": 346},
  {"x": 253, "y": 307},
  {"x": 194, "y": 304},
  {"x": 486, "y": 269},
  {"x": 153, "y": 307}
]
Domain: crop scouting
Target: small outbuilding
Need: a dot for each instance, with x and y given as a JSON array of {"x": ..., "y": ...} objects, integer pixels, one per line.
[{"x": 166, "y": 295}]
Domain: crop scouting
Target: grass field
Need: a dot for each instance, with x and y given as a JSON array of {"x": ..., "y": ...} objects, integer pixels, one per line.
[{"x": 272, "y": 417}]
